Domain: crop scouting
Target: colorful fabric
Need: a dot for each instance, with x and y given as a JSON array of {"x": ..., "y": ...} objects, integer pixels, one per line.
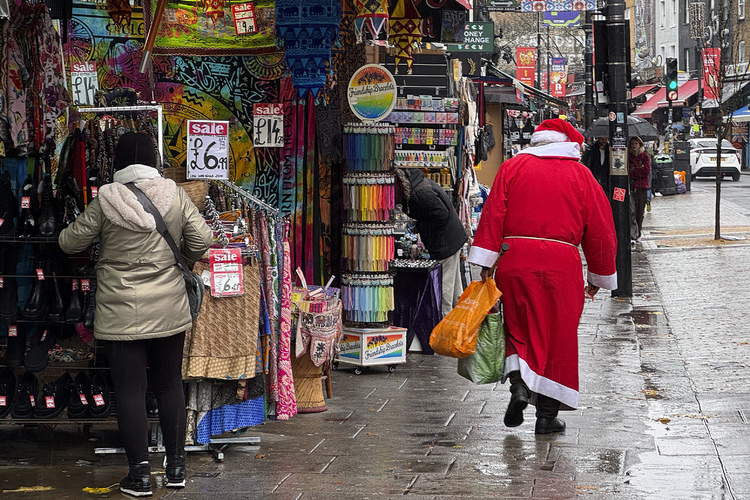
[
  {"x": 404, "y": 32},
  {"x": 206, "y": 27},
  {"x": 287, "y": 404},
  {"x": 307, "y": 31},
  {"x": 372, "y": 15},
  {"x": 230, "y": 417},
  {"x": 541, "y": 275}
]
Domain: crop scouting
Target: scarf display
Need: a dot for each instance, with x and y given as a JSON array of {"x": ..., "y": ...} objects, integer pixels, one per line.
[
  {"x": 368, "y": 247},
  {"x": 367, "y": 299},
  {"x": 369, "y": 197},
  {"x": 404, "y": 33},
  {"x": 286, "y": 405},
  {"x": 307, "y": 31},
  {"x": 369, "y": 148}
]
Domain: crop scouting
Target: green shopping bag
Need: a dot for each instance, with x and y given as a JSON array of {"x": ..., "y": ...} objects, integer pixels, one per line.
[{"x": 487, "y": 364}]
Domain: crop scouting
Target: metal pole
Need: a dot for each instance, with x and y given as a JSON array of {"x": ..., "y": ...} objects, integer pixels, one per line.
[
  {"x": 538, "y": 84},
  {"x": 549, "y": 59},
  {"x": 618, "y": 138},
  {"x": 589, "y": 110}
]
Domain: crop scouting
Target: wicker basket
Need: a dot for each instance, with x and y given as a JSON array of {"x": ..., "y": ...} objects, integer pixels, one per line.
[
  {"x": 177, "y": 173},
  {"x": 196, "y": 190}
]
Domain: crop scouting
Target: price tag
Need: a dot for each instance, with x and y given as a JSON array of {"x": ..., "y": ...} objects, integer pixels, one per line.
[
  {"x": 84, "y": 401},
  {"x": 25, "y": 202},
  {"x": 49, "y": 401},
  {"x": 75, "y": 285},
  {"x": 268, "y": 126},
  {"x": 12, "y": 330},
  {"x": 85, "y": 285},
  {"x": 208, "y": 149},
  {"x": 1, "y": 221},
  {"x": 32, "y": 400},
  {"x": 98, "y": 399},
  {"x": 2, "y": 401},
  {"x": 226, "y": 272},
  {"x": 244, "y": 18},
  {"x": 40, "y": 274},
  {"x": 94, "y": 191},
  {"x": 2, "y": 282},
  {"x": 44, "y": 336}
]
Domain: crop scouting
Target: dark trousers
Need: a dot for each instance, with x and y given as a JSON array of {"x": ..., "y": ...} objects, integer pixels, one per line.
[
  {"x": 546, "y": 407},
  {"x": 640, "y": 197},
  {"x": 128, "y": 361}
]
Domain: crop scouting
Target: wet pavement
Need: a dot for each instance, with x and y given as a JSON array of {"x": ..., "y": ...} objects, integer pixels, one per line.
[{"x": 664, "y": 410}]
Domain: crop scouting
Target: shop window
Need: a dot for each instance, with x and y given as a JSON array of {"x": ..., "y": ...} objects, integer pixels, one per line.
[
  {"x": 741, "y": 9},
  {"x": 741, "y": 51}
]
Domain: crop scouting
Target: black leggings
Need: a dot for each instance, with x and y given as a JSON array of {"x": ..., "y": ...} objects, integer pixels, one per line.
[{"x": 128, "y": 361}]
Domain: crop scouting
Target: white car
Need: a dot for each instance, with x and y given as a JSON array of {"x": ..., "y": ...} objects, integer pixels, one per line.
[{"x": 703, "y": 158}]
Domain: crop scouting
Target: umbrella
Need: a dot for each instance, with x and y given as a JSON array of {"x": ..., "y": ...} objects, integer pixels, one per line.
[{"x": 636, "y": 127}]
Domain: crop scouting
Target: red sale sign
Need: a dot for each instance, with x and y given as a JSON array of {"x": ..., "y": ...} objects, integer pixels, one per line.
[{"x": 226, "y": 272}]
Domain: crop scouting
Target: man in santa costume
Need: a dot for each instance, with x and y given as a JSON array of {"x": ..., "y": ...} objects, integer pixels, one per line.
[{"x": 544, "y": 204}]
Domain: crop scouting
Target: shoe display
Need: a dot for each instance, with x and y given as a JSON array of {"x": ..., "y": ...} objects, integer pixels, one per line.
[
  {"x": 80, "y": 399},
  {"x": 36, "y": 307},
  {"x": 138, "y": 481},
  {"x": 176, "y": 472},
  {"x": 53, "y": 398},
  {"x": 41, "y": 342},
  {"x": 7, "y": 391},
  {"x": 549, "y": 425},
  {"x": 100, "y": 406},
  {"x": 519, "y": 400},
  {"x": 47, "y": 217},
  {"x": 25, "y": 400}
]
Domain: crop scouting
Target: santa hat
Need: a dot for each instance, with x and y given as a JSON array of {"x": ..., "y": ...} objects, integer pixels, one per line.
[{"x": 555, "y": 130}]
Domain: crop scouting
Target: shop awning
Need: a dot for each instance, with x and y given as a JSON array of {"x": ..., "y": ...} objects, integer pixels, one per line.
[
  {"x": 728, "y": 91},
  {"x": 684, "y": 92},
  {"x": 741, "y": 115},
  {"x": 641, "y": 89},
  {"x": 527, "y": 88},
  {"x": 648, "y": 107}
]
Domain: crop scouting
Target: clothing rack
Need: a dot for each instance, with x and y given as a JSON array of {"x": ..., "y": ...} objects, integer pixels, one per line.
[
  {"x": 257, "y": 201},
  {"x": 149, "y": 107}
]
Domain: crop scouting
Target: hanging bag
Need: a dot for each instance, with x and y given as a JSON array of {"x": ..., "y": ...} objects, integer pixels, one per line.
[
  {"x": 193, "y": 283},
  {"x": 487, "y": 364}
]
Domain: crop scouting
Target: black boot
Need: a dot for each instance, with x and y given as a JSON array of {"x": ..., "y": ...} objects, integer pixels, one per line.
[
  {"x": 519, "y": 399},
  {"x": 9, "y": 291},
  {"x": 8, "y": 205},
  {"x": 138, "y": 480},
  {"x": 56, "y": 308},
  {"x": 16, "y": 349},
  {"x": 88, "y": 314},
  {"x": 41, "y": 342},
  {"x": 47, "y": 222},
  {"x": 7, "y": 391},
  {"x": 546, "y": 415},
  {"x": 36, "y": 307},
  {"x": 74, "y": 311},
  {"x": 176, "y": 472},
  {"x": 29, "y": 210}
]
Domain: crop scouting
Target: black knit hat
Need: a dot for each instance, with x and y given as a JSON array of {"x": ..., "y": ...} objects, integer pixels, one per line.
[{"x": 134, "y": 148}]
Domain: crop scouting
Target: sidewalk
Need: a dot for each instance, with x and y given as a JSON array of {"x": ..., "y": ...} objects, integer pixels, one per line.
[{"x": 665, "y": 404}]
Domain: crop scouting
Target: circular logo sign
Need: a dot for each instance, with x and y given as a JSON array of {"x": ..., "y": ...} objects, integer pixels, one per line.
[{"x": 372, "y": 92}]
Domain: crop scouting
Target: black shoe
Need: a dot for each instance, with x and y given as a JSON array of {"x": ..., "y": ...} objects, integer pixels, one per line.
[
  {"x": 519, "y": 400},
  {"x": 152, "y": 408},
  {"x": 23, "y": 405},
  {"x": 56, "y": 309},
  {"x": 100, "y": 406},
  {"x": 549, "y": 425},
  {"x": 9, "y": 291},
  {"x": 80, "y": 400},
  {"x": 16, "y": 350},
  {"x": 38, "y": 355},
  {"x": 54, "y": 397},
  {"x": 176, "y": 473},
  {"x": 7, "y": 391},
  {"x": 90, "y": 312},
  {"x": 138, "y": 481},
  {"x": 36, "y": 307},
  {"x": 8, "y": 205},
  {"x": 47, "y": 217},
  {"x": 74, "y": 311}
]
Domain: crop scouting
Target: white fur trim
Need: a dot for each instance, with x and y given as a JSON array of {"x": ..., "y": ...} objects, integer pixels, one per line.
[
  {"x": 542, "y": 385},
  {"x": 560, "y": 149},
  {"x": 545, "y": 136},
  {"x": 482, "y": 257},
  {"x": 608, "y": 282},
  {"x": 123, "y": 209}
]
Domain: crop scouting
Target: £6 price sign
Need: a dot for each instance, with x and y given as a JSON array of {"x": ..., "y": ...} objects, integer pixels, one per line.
[
  {"x": 226, "y": 272},
  {"x": 268, "y": 126},
  {"x": 208, "y": 149}
]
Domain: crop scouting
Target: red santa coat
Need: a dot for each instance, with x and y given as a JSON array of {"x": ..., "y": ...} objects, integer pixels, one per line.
[{"x": 544, "y": 204}]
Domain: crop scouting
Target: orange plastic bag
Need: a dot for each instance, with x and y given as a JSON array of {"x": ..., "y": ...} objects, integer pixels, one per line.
[{"x": 456, "y": 335}]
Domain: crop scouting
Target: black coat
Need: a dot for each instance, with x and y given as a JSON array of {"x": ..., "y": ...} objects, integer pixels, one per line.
[
  {"x": 437, "y": 221},
  {"x": 592, "y": 159}
]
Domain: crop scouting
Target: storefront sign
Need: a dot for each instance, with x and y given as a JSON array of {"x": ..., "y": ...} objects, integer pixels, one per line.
[
  {"x": 208, "y": 149},
  {"x": 226, "y": 272},
  {"x": 503, "y": 5},
  {"x": 268, "y": 126},
  {"x": 477, "y": 37},
  {"x": 83, "y": 83},
  {"x": 526, "y": 64},
  {"x": 558, "y": 76},
  {"x": 244, "y": 18},
  {"x": 711, "y": 80},
  {"x": 372, "y": 92},
  {"x": 562, "y": 19},
  {"x": 557, "y": 5}
]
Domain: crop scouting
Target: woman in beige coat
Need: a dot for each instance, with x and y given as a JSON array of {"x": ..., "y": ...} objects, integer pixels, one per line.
[{"x": 142, "y": 309}]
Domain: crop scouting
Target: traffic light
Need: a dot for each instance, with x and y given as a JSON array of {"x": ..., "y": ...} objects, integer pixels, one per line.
[{"x": 670, "y": 79}]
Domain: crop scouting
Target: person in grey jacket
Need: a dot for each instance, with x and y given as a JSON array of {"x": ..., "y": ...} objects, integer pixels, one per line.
[
  {"x": 438, "y": 226},
  {"x": 142, "y": 309}
]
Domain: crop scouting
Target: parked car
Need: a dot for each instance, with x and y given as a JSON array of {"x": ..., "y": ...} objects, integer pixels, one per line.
[{"x": 703, "y": 158}]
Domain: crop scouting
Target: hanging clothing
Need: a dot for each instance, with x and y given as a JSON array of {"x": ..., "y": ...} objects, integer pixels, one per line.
[{"x": 544, "y": 204}]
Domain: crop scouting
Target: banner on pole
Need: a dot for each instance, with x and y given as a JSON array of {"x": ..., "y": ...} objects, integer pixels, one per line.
[
  {"x": 711, "y": 80},
  {"x": 558, "y": 77},
  {"x": 526, "y": 64}
]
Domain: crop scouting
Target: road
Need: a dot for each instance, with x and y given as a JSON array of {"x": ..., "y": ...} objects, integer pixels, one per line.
[{"x": 737, "y": 192}]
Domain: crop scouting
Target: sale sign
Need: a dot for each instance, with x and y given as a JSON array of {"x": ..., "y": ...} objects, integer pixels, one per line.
[
  {"x": 208, "y": 149},
  {"x": 226, "y": 272},
  {"x": 244, "y": 18},
  {"x": 526, "y": 64},
  {"x": 83, "y": 83},
  {"x": 268, "y": 125}
]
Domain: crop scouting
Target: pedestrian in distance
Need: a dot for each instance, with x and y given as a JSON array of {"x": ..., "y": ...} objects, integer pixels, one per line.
[
  {"x": 142, "y": 309},
  {"x": 544, "y": 204},
  {"x": 596, "y": 158},
  {"x": 639, "y": 170},
  {"x": 438, "y": 226}
]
